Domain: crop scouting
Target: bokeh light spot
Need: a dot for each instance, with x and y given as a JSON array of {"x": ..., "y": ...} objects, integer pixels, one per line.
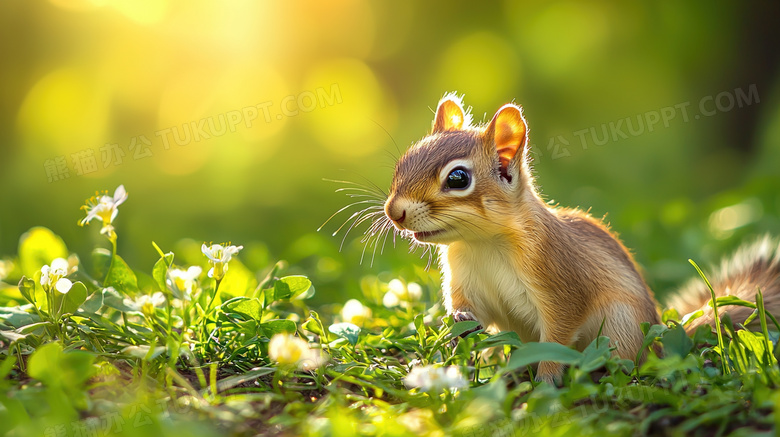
[
  {"x": 63, "y": 112},
  {"x": 350, "y": 103},
  {"x": 482, "y": 66},
  {"x": 143, "y": 12}
]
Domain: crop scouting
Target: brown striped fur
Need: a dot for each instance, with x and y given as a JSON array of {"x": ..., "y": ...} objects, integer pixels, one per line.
[
  {"x": 754, "y": 266},
  {"x": 508, "y": 258}
]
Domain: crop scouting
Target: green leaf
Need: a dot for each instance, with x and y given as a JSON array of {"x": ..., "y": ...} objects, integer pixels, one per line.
[
  {"x": 144, "y": 352},
  {"x": 39, "y": 247},
  {"x": 273, "y": 327},
  {"x": 146, "y": 284},
  {"x": 461, "y": 327},
  {"x": 74, "y": 298},
  {"x": 93, "y": 303},
  {"x": 286, "y": 288},
  {"x": 121, "y": 277},
  {"x": 160, "y": 271},
  {"x": 270, "y": 278},
  {"x": 27, "y": 289},
  {"x": 670, "y": 314},
  {"x": 17, "y": 317},
  {"x": 595, "y": 355},
  {"x": 298, "y": 285},
  {"x": 529, "y": 353},
  {"x": 502, "y": 338},
  {"x": 733, "y": 300},
  {"x": 248, "y": 307},
  {"x": 494, "y": 391},
  {"x": 238, "y": 281},
  {"x": 32, "y": 327},
  {"x": 347, "y": 331},
  {"x": 651, "y": 334},
  {"x": 101, "y": 259},
  {"x": 112, "y": 299},
  {"x": 12, "y": 335},
  {"x": 688, "y": 318},
  {"x": 677, "y": 342},
  {"x": 232, "y": 381},
  {"x": 54, "y": 367},
  {"x": 312, "y": 323},
  {"x": 419, "y": 324}
]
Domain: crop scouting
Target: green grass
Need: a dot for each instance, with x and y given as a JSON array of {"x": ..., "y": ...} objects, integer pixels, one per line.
[{"x": 101, "y": 360}]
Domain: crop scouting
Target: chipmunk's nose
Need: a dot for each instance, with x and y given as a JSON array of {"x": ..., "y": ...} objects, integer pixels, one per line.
[{"x": 395, "y": 211}]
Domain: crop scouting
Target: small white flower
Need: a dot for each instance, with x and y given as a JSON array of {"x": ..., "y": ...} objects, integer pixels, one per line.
[
  {"x": 219, "y": 256},
  {"x": 400, "y": 294},
  {"x": 355, "y": 312},
  {"x": 53, "y": 276},
  {"x": 184, "y": 280},
  {"x": 435, "y": 379},
  {"x": 414, "y": 291},
  {"x": 390, "y": 300},
  {"x": 145, "y": 303},
  {"x": 105, "y": 208},
  {"x": 289, "y": 350},
  {"x": 397, "y": 287}
]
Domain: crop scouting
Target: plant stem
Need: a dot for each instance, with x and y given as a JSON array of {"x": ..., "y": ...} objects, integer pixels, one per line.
[
  {"x": 717, "y": 319},
  {"x": 214, "y": 296},
  {"x": 112, "y": 239}
]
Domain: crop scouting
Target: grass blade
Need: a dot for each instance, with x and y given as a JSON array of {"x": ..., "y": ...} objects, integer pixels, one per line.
[{"x": 714, "y": 303}]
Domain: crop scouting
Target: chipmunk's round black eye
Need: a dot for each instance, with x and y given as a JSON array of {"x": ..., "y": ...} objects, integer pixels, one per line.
[{"x": 458, "y": 179}]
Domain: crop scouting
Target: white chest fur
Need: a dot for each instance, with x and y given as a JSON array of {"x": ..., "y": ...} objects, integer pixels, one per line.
[{"x": 487, "y": 278}]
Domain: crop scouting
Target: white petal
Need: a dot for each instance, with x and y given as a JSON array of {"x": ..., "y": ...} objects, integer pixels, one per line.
[
  {"x": 63, "y": 285},
  {"x": 231, "y": 250},
  {"x": 193, "y": 272},
  {"x": 60, "y": 264},
  {"x": 44, "y": 275},
  {"x": 414, "y": 290},
  {"x": 390, "y": 300},
  {"x": 91, "y": 214},
  {"x": 130, "y": 303},
  {"x": 397, "y": 287},
  {"x": 120, "y": 195},
  {"x": 211, "y": 272},
  {"x": 157, "y": 299}
]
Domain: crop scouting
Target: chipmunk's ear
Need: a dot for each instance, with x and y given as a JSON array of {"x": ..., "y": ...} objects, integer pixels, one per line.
[
  {"x": 449, "y": 114},
  {"x": 507, "y": 131}
]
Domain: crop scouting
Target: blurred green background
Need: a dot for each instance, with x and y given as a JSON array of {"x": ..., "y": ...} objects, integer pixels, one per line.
[{"x": 335, "y": 85}]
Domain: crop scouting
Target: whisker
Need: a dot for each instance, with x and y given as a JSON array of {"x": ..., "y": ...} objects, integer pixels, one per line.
[
  {"x": 364, "y": 216},
  {"x": 391, "y": 139},
  {"x": 382, "y": 229},
  {"x": 360, "y": 189},
  {"x": 373, "y": 188},
  {"x": 372, "y": 184},
  {"x": 388, "y": 227},
  {"x": 340, "y": 210}
]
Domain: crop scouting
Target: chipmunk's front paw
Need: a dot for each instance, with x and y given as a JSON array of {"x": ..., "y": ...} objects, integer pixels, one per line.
[
  {"x": 463, "y": 316},
  {"x": 550, "y": 372}
]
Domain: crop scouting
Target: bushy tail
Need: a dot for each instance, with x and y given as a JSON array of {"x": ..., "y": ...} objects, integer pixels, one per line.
[{"x": 754, "y": 266}]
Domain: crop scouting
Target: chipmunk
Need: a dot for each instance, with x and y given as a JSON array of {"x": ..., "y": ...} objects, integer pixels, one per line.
[{"x": 515, "y": 263}]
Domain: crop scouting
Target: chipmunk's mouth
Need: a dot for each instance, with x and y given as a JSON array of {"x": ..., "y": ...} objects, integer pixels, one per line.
[{"x": 427, "y": 236}]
